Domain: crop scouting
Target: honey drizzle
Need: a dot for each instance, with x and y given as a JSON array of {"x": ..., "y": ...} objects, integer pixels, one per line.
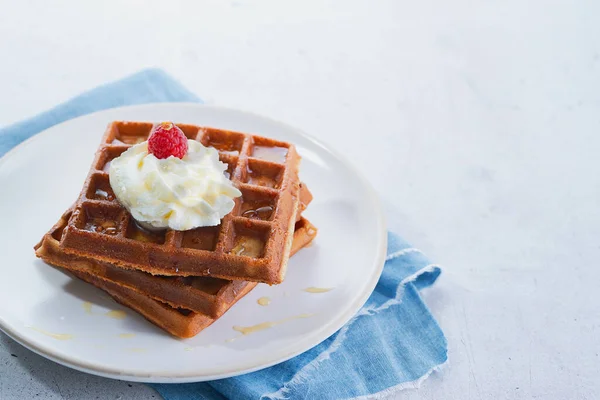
[
  {"x": 264, "y": 301},
  {"x": 317, "y": 290},
  {"x": 247, "y": 330},
  {"x": 115, "y": 314},
  {"x": 57, "y": 336}
]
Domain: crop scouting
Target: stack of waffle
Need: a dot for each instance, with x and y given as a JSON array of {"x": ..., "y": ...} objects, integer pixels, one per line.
[{"x": 183, "y": 281}]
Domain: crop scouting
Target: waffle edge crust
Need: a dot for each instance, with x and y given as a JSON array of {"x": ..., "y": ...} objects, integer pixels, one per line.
[
  {"x": 245, "y": 246},
  {"x": 203, "y": 294},
  {"x": 176, "y": 320}
]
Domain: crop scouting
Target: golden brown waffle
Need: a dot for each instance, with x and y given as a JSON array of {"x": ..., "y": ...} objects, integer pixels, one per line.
[
  {"x": 178, "y": 321},
  {"x": 304, "y": 233},
  {"x": 305, "y": 198},
  {"x": 206, "y": 295},
  {"x": 251, "y": 243}
]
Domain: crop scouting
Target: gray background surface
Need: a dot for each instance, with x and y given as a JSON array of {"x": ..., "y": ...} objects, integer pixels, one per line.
[{"x": 477, "y": 122}]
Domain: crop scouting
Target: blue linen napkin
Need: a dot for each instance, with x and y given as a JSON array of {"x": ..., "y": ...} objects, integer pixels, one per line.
[{"x": 393, "y": 342}]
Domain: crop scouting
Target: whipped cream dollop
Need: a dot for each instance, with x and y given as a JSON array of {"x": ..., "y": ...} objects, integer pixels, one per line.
[{"x": 180, "y": 194}]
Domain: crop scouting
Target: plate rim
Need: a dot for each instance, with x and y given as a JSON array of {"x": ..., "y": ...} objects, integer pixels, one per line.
[{"x": 314, "y": 339}]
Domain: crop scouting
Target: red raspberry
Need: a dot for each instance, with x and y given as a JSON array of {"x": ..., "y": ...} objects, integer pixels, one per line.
[{"x": 167, "y": 140}]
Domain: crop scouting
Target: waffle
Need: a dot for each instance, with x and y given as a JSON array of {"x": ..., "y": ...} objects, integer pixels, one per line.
[
  {"x": 178, "y": 321},
  {"x": 205, "y": 295},
  {"x": 252, "y": 242}
]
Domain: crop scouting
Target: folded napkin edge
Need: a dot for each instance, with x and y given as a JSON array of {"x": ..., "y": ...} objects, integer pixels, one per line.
[{"x": 431, "y": 272}]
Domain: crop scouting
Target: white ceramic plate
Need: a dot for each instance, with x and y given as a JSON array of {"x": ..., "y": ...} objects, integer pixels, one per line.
[{"x": 45, "y": 310}]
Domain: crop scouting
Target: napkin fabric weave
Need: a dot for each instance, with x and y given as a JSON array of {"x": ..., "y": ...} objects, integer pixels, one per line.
[{"x": 393, "y": 342}]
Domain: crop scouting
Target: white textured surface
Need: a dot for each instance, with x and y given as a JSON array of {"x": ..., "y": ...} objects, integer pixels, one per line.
[{"x": 477, "y": 122}]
